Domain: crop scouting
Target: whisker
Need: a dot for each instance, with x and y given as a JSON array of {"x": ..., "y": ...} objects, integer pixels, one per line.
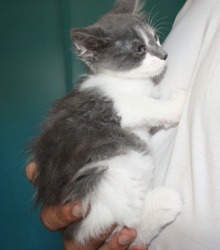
[
  {"x": 154, "y": 18},
  {"x": 159, "y": 20},
  {"x": 149, "y": 15}
]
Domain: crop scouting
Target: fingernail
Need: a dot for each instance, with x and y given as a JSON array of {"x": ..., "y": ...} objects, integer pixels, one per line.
[
  {"x": 77, "y": 210},
  {"x": 124, "y": 239}
]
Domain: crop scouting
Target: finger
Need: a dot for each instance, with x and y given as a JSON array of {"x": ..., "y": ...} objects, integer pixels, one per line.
[
  {"x": 57, "y": 217},
  {"x": 121, "y": 240},
  {"x": 31, "y": 171},
  {"x": 93, "y": 244},
  {"x": 138, "y": 247}
]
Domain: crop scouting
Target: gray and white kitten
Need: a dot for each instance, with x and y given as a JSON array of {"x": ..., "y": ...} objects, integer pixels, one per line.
[{"x": 95, "y": 143}]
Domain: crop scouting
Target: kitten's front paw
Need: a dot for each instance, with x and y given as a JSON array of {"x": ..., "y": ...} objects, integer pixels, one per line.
[{"x": 177, "y": 100}]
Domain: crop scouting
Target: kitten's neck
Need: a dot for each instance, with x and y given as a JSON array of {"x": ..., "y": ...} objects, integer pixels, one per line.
[{"x": 110, "y": 83}]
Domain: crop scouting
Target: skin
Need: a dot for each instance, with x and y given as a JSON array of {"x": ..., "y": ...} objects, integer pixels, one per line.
[{"x": 59, "y": 217}]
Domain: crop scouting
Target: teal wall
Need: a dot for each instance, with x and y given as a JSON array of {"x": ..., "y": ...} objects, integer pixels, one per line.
[{"x": 36, "y": 67}]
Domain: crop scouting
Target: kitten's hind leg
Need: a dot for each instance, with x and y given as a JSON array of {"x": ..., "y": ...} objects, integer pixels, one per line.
[
  {"x": 119, "y": 197},
  {"x": 162, "y": 206}
]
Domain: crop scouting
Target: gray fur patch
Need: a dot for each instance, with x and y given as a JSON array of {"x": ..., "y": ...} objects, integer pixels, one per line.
[{"x": 82, "y": 128}]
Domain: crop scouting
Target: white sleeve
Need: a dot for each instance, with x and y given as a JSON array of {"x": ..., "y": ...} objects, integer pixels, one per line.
[{"x": 188, "y": 157}]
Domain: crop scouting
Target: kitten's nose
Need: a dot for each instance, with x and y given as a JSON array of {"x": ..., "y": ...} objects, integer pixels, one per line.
[
  {"x": 162, "y": 54},
  {"x": 164, "y": 57}
]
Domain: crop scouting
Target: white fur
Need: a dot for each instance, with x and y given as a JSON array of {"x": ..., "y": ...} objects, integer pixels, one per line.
[
  {"x": 124, "y": 196},
  {"x": 132, "y": 204},
  {"x": 135, "y": 101}
]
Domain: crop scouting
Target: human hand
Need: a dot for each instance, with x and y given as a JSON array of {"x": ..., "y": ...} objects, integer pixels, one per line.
[{"x": 59, "y": 217}]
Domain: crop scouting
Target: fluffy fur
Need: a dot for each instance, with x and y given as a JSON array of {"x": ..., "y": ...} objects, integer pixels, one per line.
[{"x": 95, "y": 143}]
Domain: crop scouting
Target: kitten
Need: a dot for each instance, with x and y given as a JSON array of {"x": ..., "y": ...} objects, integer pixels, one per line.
[{"x": 95, "y": 143}]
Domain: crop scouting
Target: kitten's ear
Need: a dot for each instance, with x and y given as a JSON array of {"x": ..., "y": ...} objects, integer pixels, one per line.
[
  {"x": 89, "y": 42},
  {"x": 128, "y": 6}
]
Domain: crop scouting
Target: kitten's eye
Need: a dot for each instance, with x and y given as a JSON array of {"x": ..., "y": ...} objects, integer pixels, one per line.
[{"x": 140, "y": 50}]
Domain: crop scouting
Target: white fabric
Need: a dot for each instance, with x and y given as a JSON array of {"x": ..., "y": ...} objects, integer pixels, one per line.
[{"x": 188, "y": 157}]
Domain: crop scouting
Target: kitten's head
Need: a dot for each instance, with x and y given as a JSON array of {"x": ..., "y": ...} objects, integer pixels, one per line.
[{"x": 121, "y": 43}]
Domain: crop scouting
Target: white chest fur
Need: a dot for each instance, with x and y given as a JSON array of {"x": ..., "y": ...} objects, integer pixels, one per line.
[{"x": 130, "y": 96}]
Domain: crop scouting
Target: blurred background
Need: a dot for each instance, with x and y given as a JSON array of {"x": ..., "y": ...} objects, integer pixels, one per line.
[{"x": 37, "y": 66}]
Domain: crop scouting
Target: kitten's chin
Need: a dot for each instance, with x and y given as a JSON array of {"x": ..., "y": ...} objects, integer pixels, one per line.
[
  {"x": 154, "y": 72},
  {"x": 149, "y": 70},
  {"x": 158, "y": 72}
]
